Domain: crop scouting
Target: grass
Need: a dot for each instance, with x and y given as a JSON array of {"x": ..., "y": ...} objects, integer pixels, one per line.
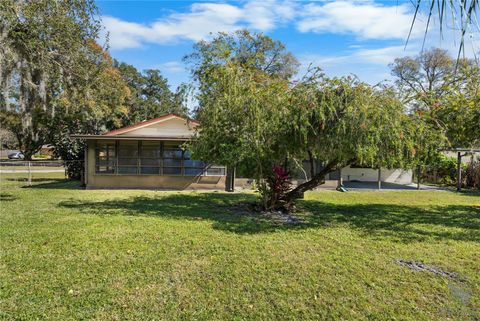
[{"x": 72, "y": 254}]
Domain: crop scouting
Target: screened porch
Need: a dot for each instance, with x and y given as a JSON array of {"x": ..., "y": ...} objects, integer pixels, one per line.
[{"x": 145, "y": 157}]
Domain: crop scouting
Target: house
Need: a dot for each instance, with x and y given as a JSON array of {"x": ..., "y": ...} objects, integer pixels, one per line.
[
  {"x": 149, "y": 154},
  {"x": 152, "y": 155}
]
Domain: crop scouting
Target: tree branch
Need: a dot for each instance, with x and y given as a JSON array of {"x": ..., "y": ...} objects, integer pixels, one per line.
[{"x": 316, "y": 180}]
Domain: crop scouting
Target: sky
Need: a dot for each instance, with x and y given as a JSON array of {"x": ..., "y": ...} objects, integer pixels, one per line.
[{"x": 341, "y": 37}]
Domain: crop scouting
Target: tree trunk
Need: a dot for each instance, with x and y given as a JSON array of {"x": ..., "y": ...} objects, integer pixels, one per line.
[
  {"x": 315, "y": 181},
  {"x": 312, "y": 164}
]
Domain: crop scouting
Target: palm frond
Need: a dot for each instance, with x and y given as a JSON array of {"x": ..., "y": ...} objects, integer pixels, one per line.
[{"x": 463, "y": 16}]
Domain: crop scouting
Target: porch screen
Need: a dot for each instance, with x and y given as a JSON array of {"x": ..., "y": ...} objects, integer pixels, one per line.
[
  {"x": 127, "y": 157},
  {"x": 172, "y": 159},
  {"x": 105, "y": 157},
  {"x": 150, "y": 158}
]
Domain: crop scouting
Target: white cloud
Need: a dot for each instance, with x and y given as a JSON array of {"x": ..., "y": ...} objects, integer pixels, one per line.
[
  {"x": 123, "y": 34},
  {"x": 172, "y": 67},
  {"x": 366, "y": 19},
  {"x": 202, "y": 20},
  {"x": 370, "y": 65},
  {"x": 378, "y": 56},
  {"x": 268, "y": 14}
]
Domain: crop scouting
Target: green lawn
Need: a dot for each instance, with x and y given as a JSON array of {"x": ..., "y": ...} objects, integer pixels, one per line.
[{"x": 71, "y": 254}]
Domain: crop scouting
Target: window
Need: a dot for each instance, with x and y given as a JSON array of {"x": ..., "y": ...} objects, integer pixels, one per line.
[
  {"x": 127, "y": 157},
  {"x": 172, "y": 159},
  {"x": 193, "y": 167},
  {"x": 193, "y": 171},
  {"x": 105, "y": 157},
  {"x": 149, "y": 158},
  {"x": 215, "y": 170},
  {"x": 172, "y": 171}
]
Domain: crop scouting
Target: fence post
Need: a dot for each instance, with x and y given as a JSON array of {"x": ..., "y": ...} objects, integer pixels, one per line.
[
  {"x": 459, "y": 172},
  {"x": 418, "y": 177},
  {"x": 379, "y": 180},
  {"x": 29, "y": 173},
  {"x": 340, "y": 180}
]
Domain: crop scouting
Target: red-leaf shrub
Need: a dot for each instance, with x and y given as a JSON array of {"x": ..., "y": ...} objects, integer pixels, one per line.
[{"x": 274, "y": 189}]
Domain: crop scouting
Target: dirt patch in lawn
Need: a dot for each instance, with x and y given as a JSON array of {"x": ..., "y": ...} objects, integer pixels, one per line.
[
  {"x": 419, "y": 266},
  {"x": 255, "y": 210}
]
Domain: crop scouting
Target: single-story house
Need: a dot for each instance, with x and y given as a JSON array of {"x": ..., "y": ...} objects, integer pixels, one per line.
[{"x": 150, "y": 154}]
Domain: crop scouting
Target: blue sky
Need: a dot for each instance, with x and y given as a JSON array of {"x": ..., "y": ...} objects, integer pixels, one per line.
[{"x": 342, "y": 37}]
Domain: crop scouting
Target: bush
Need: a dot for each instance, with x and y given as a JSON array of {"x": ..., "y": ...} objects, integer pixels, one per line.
[
  {"x": 71, "y": 151},
  {"x": 472, "y": 175},
  {"x": 442, "y": 170},
  {"x": 274, "y": 188}
]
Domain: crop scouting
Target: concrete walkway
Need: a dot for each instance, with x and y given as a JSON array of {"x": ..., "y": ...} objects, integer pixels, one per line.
[{"x": 388, "y": 186}]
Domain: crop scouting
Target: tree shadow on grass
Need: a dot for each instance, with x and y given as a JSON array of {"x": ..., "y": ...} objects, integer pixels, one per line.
[
  {"x": 401, "y": 223},
  {"x": 7, "y": 197},
  {"x": 53, "y": 183}
]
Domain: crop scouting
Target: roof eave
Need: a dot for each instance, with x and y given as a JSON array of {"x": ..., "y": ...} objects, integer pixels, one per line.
[{"x": 128, "y": 137}]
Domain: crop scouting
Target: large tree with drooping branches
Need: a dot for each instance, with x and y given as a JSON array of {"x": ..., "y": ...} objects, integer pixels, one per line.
[{"x": 249, "y": 116}]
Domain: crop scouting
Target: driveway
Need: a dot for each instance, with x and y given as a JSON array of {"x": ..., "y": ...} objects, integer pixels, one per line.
[{"x": 387, "y": 186}]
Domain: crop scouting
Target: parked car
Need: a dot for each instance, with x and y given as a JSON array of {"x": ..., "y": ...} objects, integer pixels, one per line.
[{"x": 16, "y": 155}]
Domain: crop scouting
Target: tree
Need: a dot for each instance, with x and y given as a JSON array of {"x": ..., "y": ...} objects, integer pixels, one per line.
[
  {"x": 242, "y": 116},
  {"x": 158, "y": 98},
  {"x": 249, "y": 50},
  {"x": 96, "y": 105},
  {"x": 442, "y": 92},
  {"x": 43, "y": 49},
  {"x": 249, "y": 116},
  {"x": 7, "y": 139},
  {"x": 343, "y": 121},
  {"x": 151, "y": 95},
  {"x": 460, "y": 108},
  {"x": 421, "y": 80}
]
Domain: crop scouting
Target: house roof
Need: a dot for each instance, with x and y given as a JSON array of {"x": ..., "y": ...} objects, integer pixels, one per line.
[
  {"x": 128, "y": 137},
  {"x": 122, "y": 133},
  {"x": 148, "y": 123}
]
